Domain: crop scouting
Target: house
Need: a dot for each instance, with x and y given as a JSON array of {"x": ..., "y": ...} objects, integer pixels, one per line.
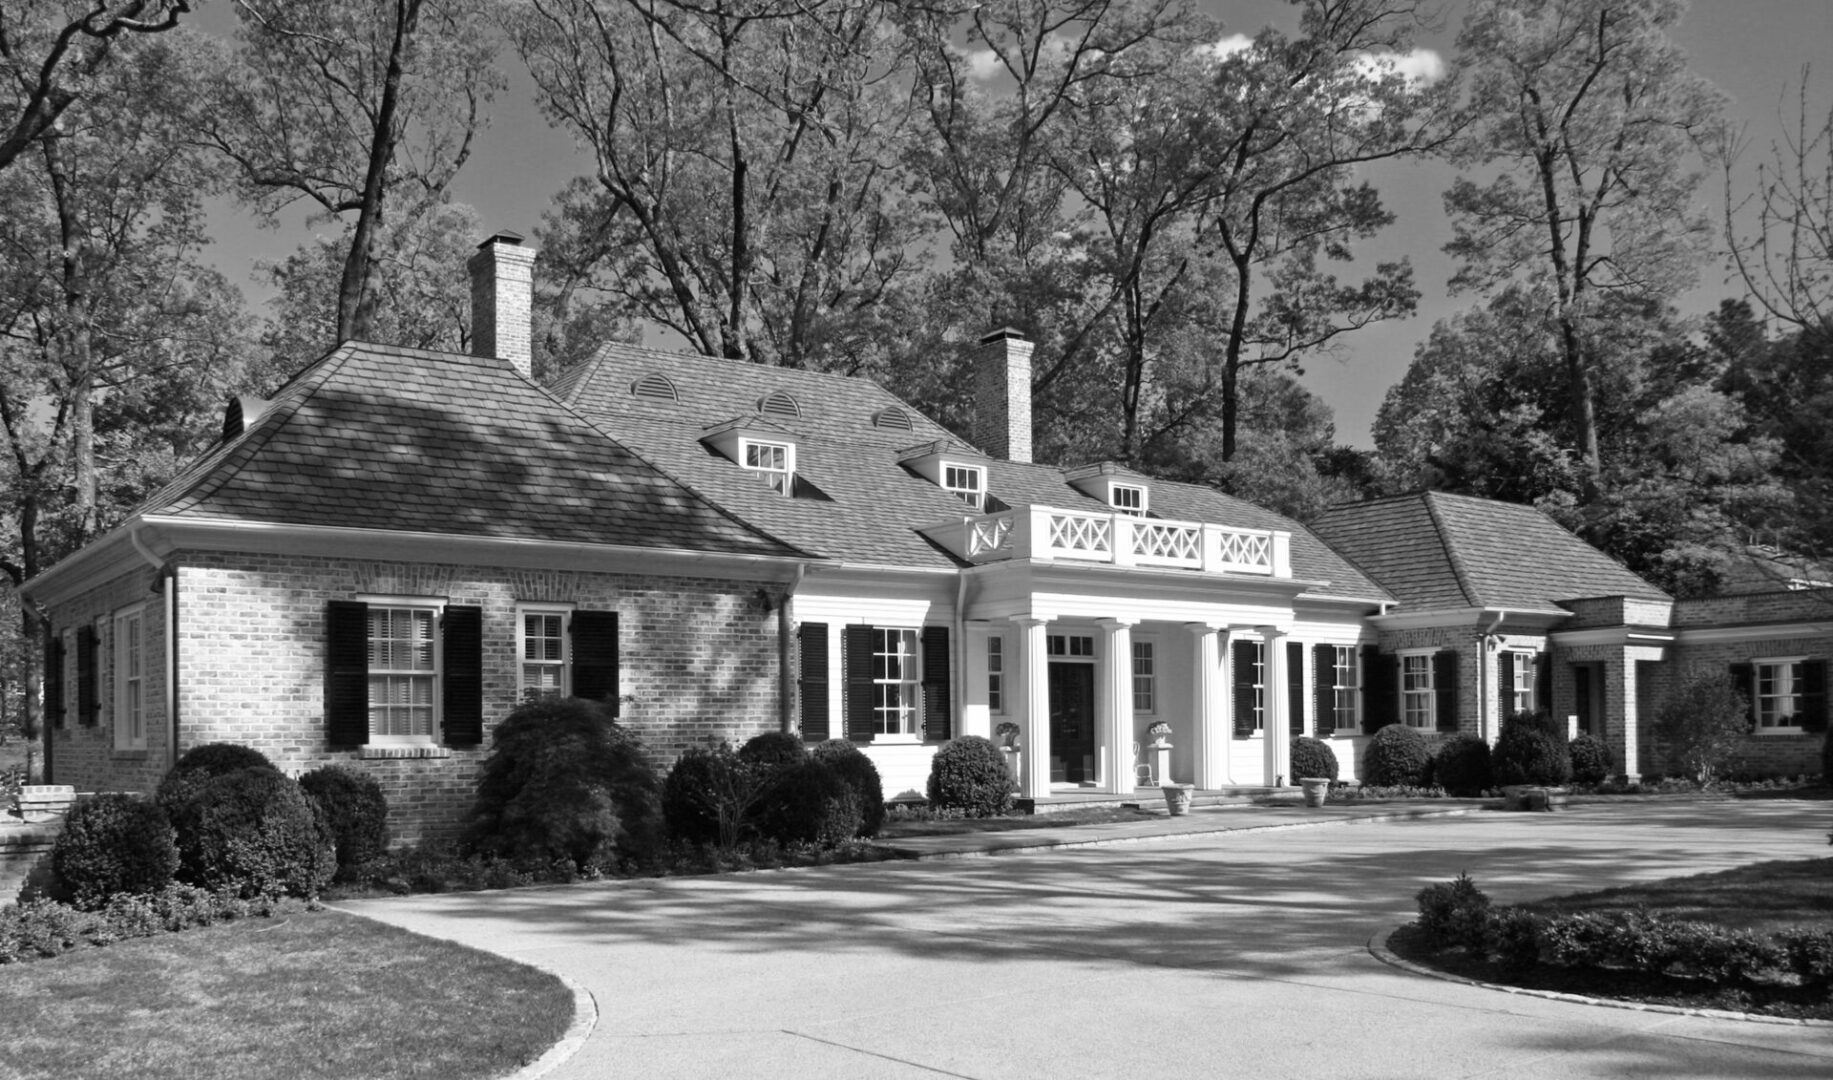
[{"x": 377, "y": 564}]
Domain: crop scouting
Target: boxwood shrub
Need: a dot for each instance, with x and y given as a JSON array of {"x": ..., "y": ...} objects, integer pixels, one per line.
[
  {"x": 354, "y": 810},
  {"x": 969, "y": 774},
  {"x": 857, "y": 770},
  {"x": 1591, "y": 760},
  {"x": 808, "y": 803},
  {"x": 1312, "y": 759},
  {"x": 708, "y": 796},
  {"x": 774, "y": 750},
  {"x": 198, "y": 765},
  {"x": 114, "y": 844},
  {"x": 253, "y": 832},
  {"x": 1397, "y": 756},
  {"x": 1530, "y": 751},
  {"x": 1462, "y": 765}
]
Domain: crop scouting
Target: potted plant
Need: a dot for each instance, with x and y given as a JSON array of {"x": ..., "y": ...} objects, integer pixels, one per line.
[
  {"x": 1159, "y": 733},
  {"x": 1317, "y": 789},
  {"x": 1177, "y": 797}
]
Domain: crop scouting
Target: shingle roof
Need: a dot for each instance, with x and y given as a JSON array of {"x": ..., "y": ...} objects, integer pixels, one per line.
[
  {"x": 873, "y": 505},
  {"x": 402, "y": 439},
  {"x": 1433, "y": 550}
]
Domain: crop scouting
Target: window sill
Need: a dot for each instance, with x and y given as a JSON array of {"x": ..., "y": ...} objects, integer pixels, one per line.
[
  {"x": 402, "y": 752},
  {"x": 1763, "y": 732},
  {"x": 131, "y": 753}
]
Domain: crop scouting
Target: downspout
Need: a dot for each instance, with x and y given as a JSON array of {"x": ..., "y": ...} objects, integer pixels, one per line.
[
  {"x": 168, "y": 577},
  {"x": 785, "y": 626},
  {"x": 958, "y": 671},
  {"x": 1484, "y": 640}
]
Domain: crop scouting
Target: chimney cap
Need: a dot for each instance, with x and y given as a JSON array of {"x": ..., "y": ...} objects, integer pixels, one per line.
[
  {"x": 502, "y": 236},
  {"x": 1004, "y": 333}
]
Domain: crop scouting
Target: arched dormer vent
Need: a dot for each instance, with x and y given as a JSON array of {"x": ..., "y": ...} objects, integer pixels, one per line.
[
  {"x": 892, "y": 418},
  {"x": 779, "y": 403},
  {"x": 656, "y": 387},
  {"x": 241, "y": 413}
]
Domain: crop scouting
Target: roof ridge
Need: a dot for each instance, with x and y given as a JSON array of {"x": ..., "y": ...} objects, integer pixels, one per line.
[{"x": 1459, "y": 570}]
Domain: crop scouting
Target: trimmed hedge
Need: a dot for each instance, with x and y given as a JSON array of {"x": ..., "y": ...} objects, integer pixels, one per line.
[
  {"x": 1462, "y": 765},
  {"x": 1591, "y": 760},
  {"x": 253, "y": 832},
  {"x": 853, "y": 766},
  {"x": 969, "y": 774},
  {"x": 708, "y": 796},
  {"x": 1312, "y": 759},
  {"x": 1530, "y": 750},
  {"x": 354, "y": 810},
  {"x": 1397, "y": 756},
  {"x": 774, "y": 750},
  {"x": 114, "y": 844},
  {"x": 42, "y": 929},
  {"x": 198, "y": 765},
  {"x": 809, "y": 803}
]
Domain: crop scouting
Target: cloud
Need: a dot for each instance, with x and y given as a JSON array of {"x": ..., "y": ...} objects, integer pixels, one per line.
[
  {"x": 1419, "y": 67},
  {"x": 1228, "y": 46},
  {"x": 983, "y": 65}
]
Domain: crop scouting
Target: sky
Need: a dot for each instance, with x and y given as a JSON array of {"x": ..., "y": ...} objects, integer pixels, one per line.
[{"x": 1753, "y": 50}]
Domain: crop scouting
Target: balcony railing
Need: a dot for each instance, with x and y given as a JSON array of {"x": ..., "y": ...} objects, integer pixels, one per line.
[{"x": 1042, "y": 532}]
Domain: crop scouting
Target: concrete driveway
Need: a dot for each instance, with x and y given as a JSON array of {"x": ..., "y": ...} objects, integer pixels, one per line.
[{"x": 1223, "y": 955}]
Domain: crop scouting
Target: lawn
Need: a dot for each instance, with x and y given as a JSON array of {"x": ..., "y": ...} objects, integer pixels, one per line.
[
  {"x": 305, "y": 994},
  {"x": 895, "y": 828},
  {"x": 1762, "y": 897}
]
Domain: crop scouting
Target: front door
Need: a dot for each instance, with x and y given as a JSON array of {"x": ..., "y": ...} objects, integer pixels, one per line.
[{"x": 1072, "y": 723}]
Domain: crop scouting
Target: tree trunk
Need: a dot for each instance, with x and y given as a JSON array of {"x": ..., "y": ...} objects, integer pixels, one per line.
[{"x": 355, "y": 308}]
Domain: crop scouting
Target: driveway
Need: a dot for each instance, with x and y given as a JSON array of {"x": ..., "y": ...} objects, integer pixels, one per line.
[{"x": 1237, "y": 953}]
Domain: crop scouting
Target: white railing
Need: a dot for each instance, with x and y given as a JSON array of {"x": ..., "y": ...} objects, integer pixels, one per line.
[
  {"x": 1042, "y": 532},
  {"x": 1076, "y": 535},
  {"x": 1167, "y": 543},
  {"x": 990, "y": 536}
]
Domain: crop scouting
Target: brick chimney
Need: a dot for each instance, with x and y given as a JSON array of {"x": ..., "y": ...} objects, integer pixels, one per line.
[
  {"x": 1002, "y": 395},
  {"x": 502, "y": 301}
]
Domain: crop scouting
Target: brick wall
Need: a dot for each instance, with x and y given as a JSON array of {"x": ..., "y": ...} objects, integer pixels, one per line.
[
  {"x": 1759, "y": 755},
  {"x": 85, "y": 754},
  {"x": 1786, "y": 606}
]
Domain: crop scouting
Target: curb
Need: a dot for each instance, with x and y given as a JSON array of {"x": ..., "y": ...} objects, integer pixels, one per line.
[
  {"x": 1111, "y": 841},
  {"x": 1377, "y": 947}
]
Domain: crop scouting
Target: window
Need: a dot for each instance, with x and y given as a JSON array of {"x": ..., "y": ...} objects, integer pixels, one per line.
[
  {"x": 1070, "y": 645},
  {"x": 1416, "y": 690},
  {"x": 996, "y": 674},
  {"x": 967, "y": 482},
  {"x": 1346, "y": 692},
  {"x": 129, "y": 652},
  {"x": 1520, "y": 691},
  {"x": 73, "y": 681},
  {"x": 775, "y": 462},
  {"x": 1780, "y": 687},
  {"x": 543, "y": 637},
  {"x": 1128, "y": 499},
  {"x": 897, "y": 681},
  {"x": 1255, "y": 680},
  {"x": 403, "y": 673},
  {"x": 1145, "y": 678}
]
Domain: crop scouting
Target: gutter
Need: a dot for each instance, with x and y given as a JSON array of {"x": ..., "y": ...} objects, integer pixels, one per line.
[
  {"x": 785, "y": 625},
  {"x": 958, "y": 670}
]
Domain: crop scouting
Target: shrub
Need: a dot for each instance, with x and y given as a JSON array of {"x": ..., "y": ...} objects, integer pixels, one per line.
[
  {"x": 969, "y": 773},
  {"x": 1826, "y": 758},
  {"x": 1453, "y": 912},
  {"x": 774, "y": 750},
  {"x": 1398, "y": 755},
  {"x": 353, "y": 809},
  {"x": 198, "y": 765},
  {"x": 808, "y": 803},
  {"x": 1462, "y": 765},
  {"x": 114, "y": 844},
  {"x": 1703, "y": 721},
  {"x": 857, "y": 770},
  {"x": 253, "y": 832},
  {"x": 709, "y": 795},
  {"x": 1591, "y": 760},
  {"x": 1312, "y": 759},
  {"x": 563, "y": 780},
  {"x": 1529, "y": 752}
]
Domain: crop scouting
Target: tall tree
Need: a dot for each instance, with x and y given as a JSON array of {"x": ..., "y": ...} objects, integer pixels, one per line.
[
  {"x": 1586, "y": 115},
  {"x": 1780, "y": 235},
  {"x": 364, "y": 111}
]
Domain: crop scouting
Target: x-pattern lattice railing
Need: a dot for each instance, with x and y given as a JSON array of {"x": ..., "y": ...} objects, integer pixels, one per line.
[
  {"x": 1246, "y": 550},
  {"x": 1161, "y": 541},
  {"x": 990, "y": 534},
  {"x": 1082, "y": 533}
]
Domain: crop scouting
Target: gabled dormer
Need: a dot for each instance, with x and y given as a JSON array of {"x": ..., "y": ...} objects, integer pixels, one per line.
[
  {"x": 954, "y": 468},
  {"x": 757, "y": 445},
  {"x": 1121, "y": 489}
]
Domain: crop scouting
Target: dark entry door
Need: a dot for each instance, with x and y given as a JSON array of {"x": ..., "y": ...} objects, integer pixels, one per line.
[{"x": 1072, "y": 723}]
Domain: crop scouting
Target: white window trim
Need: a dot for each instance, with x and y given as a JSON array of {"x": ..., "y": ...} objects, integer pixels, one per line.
[
  {"x": 1525, "y": 661},
  {"x": 912, "y": 682},
  {"x": 565, "y": 611},
  {"x": 1258, "y": 687},
  {"x": 996, "y": 646},
  {"x": 1358, "y": 702},
  {"x": 122, "y": 660},
  {"x": 1756, "y": 693},
  {"x": 976, "y": 497},
  {"x": 1431, "y": 690},
  {"x": 788, "y": 472},
  {"x": 1145, "y": 499},
  {"x": 437, "y": 605},
  {"x": 1151, "y": 644}
]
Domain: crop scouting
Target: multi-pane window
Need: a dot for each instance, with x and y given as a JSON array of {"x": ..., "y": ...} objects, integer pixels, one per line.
[
  {"x": 1128, "y": 499},
  {"x": 1346, "y": 693},
  {"x": 772, "y": 461},
  {"x": 543, "y": 652},
  {"x": 130, "y": 680},
  {"x": 1070, "y": 645},
  {"x": 1779, "y": 689},
  {"x": 967, "y": 482},
  {"x": 1521, "y": 691},
  {"x": 897, "y": 681},
  {"x": 402, "y": 672},
  {"x": 1256, "y": 683},
  {"x": 1145, "y": 678},
  {"x": 996, "y": 674},
  {"x": 1416, "y": 690}
]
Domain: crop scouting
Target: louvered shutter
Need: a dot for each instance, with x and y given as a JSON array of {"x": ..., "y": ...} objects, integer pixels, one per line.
[
  {"x": 88, "y": 703},
  {"x": 1242, "y": 661},
  {"x": 856, "y": 646},
  {"x": 1505, "y": 683},
  {"x": 595, "y": 660},
  {"x": 461, "y": 646},
  {"x": 1543, "y": 681},
  {"x": 1444, "y": 687},
  {"x": 811, "y": 643},
  {"x": 346, "y": 673},
  {"x": 54, "y": 680},
  {"x": 1380, "y": 689},
  {"x": 1324, "y": 689},
  {"x": 1744, "y": 677},
  {"x": 1814, "y": 695},
  {"x": 938, "y": 717},
  {"x": 1295, "y": 688}
]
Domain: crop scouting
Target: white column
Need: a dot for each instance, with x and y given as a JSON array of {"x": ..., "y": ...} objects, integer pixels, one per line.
[
  {"x": 1276, "y": 738},
  {"x": 1032, "y": 709},
  {"x": 1114, "y": 706},
  {"x": 1209, "y": 726}
]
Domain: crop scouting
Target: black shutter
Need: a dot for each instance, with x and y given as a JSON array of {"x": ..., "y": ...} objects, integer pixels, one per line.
[
  {"x": 1505, "y": 684},
  {"x": 1324, "y": 688},
  {"x": 54, "y": 681},
  {"x": 1744, "y": 677},
  {"x": 811, "y": 642},
  {"x": 1380, "y": 687},
  {"x": 938, "y": 717},
  {"x": 1242, "y": 662},
  {"x": 595, "y": 670},
  {"x": 1814, "y": 696},
  {"x": 88, "y": 703},
  {"x": 856, "y": 646},
  {"x": 346, "y": 673},
  {"x": 1295, "y": 688},
  {"x": 461, "y": 646},
  {"x": 1444, "y": 687},
  {"x": 1543, "y": 682}
]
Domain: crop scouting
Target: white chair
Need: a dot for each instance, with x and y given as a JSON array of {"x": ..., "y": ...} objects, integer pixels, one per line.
[{"x": 1142, "y": 771}]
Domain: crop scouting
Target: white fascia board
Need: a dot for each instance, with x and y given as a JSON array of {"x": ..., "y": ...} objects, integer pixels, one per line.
[
  {"x": 1612, "y": 635},
  {"x": 1466, "y": 616},
  {"x": 1704, "y": 635}
]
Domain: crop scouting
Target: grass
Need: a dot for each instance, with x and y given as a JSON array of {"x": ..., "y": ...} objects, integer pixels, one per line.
[
  {"x": 308, "y": 994},
  {"x": 915, "y": 826},
  {"x": 1762, "y": 897}
]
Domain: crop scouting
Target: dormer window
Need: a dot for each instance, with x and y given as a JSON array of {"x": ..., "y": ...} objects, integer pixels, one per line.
[
  {"x": 966, "y": 482},
  {"x": 1128, "y": 499},
  {"x": 775, "y": 462},
  {"x": 780, "y": 403}
]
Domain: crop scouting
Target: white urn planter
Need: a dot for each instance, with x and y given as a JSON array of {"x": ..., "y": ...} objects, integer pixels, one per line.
[{"x": 1317, "y": 789}]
